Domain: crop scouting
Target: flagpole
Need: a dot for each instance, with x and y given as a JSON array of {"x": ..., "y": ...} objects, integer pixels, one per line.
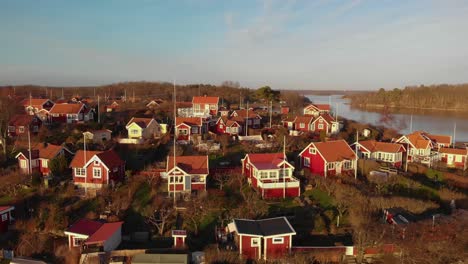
[
  {"x": 356, "y": 149},
  {"x": 174, "y": 145},
  {"x": 284, "y": 164}
]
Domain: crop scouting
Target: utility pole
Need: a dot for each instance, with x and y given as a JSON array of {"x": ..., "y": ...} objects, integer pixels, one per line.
[
  {"x": 271, "y": 111},
  {"x": 247, "y": 119},
  {"x": 85, "y": 161},
  {"x": 99, "y": 111},
  {"x": 29, "y": 146},
  {"x": 284, "y": 169},
  {"x": 411, "y": 124},
  {"x": 174, "y": 146},
  {"x": 356, "y": 150},
  {"x": 454, "y": 133}
]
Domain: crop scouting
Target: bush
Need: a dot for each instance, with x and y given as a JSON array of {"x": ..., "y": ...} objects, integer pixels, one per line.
[{"x": 36, "y": 179}]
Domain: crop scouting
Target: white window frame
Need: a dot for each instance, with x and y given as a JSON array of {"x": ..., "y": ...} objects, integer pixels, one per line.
[
  {"x": 94, "y": 173},
  {"x": 306, "y": 161},
  {"x": 135, "y": 131},
  {"x": 96, "y": 162},
  {"x": 194, "y": 130},
  {"x": 23, "y": 163},
  {"x": 79, "y": 239},
  {"x": 277, "y": 240},
  {"x": 21, "y": 129},
  {"x": 458, "y": 158},
  {"x": 255, "y": 242},
  {"x": 301, "y": 125},
  {"x": 45, "y": 163},
  {"x": 331, "y": 165},
  {"x": 320, "y": 126},
  {"x": 4, "y": 217},
  {"x": 312, "y": 151},
  {"x": 80, "y": 172}
]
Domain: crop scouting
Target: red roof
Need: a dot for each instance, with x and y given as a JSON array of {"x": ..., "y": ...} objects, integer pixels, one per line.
[
  {"x": 66, "y": 108},
  {"x": 327, "y": 118},
  {"x": 205, "y": 100},
  {"x": 333, "y": 151},
  {"x": 374, "y": 146},
  {"x": 191, "y": 121},
  {"x": 34, "y": 102},
  {"x": 6, "y": 208},
  {"x": 243, "y": 113},
  {"x": 454, "y": 151},
  {"x": 190, "y": 164},
  {"x": 21, "y": 120},
  {"x": 104, "y": 232},
  {"x": 265, "y": 161},
  {"x": 320, "y": 107},
  {"x": 110, "y": 158},
  {"x": 84, "y": 227},
  {"x": 78, "y": 160},
  {"x": 303, "y": 119},
  {"x": 48, "y": 151}
]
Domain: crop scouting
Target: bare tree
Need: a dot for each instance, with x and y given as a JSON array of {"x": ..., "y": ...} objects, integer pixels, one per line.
[{"x": 160, "y": 214}]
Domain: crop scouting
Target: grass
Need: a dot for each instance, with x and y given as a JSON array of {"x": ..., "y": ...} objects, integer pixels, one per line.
[{"x": 322, "y": 198}]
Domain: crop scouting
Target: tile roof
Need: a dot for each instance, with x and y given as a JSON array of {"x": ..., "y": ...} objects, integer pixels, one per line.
[
  {"x": 191, "y": 121},
  {"x": 419, "y": 140},
  {"x": 454, "y": 151},
  {"x": 48, "y": 151},
  {"x": 205, "y": 100},
  {"x": 190, "y": 164},
  {"x": 333, "y": 151},
  {"x": 243, "y": 113},
  {"x": 304, "y": 119},
  {"x": 34, "y": 102},
  {"x": 264, "y": 227},
  {"x": 328, "y": 118},
  {"x": 66, "y": 108},
  {"x": 265, "y": 161},
  {"x": 84, "y": 227},
  {"x": 21, "y": 120},
  {"x": 140, "y": 121},
  {"x": 104, "y": 232},
  {"x": 78, "y": 160},
  {"x": 374, "y": 146},
  {"x": 440, "y": 139},
  {"x": 110, "y": 158},
  {"x": 322, "y": 107}
]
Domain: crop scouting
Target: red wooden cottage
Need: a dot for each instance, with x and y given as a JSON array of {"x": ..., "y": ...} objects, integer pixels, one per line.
[
  {"x": 251, "y": 118},
  {"x": 329, "y": 158},
  {"x": 179, "y": 237},
  {"x": 189, "y": 174},
  {"x": 6, "y": 217},
  {"x": 317, "y": 109},
  {"x": 70, "y": 113},
  {"x": 41, "y": 156},
  {"x": 187, "y": 127},
  {"x": 34, "y": 105},
  {"x": 391, "y": 153},
  {"x": 271, "y": 175},
  {"x": 263, "y": 239},
  {"x": 97, "y": 168},
  {"x": 228, "y": 126},
  {"x": 99, "y": 236},
  {"x": 309, "y": 123},
  {"x": 452, "y": 157},
  {"x": 19, "y": 125},
  {"x": 204, "y": 106}
]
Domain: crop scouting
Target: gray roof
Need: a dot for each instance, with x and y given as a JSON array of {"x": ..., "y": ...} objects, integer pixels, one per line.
[{"x": 264, "y": 227}]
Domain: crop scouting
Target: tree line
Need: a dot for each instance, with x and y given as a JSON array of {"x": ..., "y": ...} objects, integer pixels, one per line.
[{"x": 443, "y": 96}]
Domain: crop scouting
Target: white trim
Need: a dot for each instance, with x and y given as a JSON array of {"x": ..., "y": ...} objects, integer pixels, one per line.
[
  {"x": 255, "y": 239},
  {"x": 79, "y": 175},
  {"x": 280, "y": 240},
  {"x": 93, "y": 158},
  {"x": 94, "y": 173}
]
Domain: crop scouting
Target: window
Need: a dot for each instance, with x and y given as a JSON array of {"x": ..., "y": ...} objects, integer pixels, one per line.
[
  {"x": 80, "y": 172},
  {"x": 21, "y": 129},
  {"x": 263, "y": 175},
  {"x": 278, "y": 240},
  {"x": 221, "y": 126},
  {"x": 320, "y": 126},
  {"x": 458, "y": 158},
  {"x": 255, "y": 242},
  {"x": 312, "y": 151},
  {"x": 283, "y": 173},
  {"x": 301, "y": 125},
  {"x": 135, "y": 131},
  {"x": 97, "y": 173},
  {"x": 194, "y": 130},
  {"x": 116, "y": 169},
  {"x": 77, "y": 241},
  {"x": 96, "y": 163},
  {"x": 347, "y": 164},
  {"x": 11, "y": 129},
  {"x": 45, "y": 163},
  {"x": 183, "y": 131},
  {"x": 306, "y": 162},
  {"x": 4, "y": 217},
  {"x": 331, "y": 165},
  {"x": 23, "y": 164},
  {"x": 273, "y": 174}
]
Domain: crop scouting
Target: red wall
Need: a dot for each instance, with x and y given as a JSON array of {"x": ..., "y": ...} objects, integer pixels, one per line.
[
  {"x": 4, "y": 224},
  {"x": 179, "y": 187},
  {"x": 248, "y": 251},
  {"x": 278, "y": 193},
  {"x": 316, "y": 125},
  {"x": 198, "y": 186},
  {"x": 317, "y": 164},
  {"x": 277, "y": 250}
]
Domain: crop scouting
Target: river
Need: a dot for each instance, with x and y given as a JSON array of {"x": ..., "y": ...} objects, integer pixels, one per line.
[{"x": 435, "y": 122}]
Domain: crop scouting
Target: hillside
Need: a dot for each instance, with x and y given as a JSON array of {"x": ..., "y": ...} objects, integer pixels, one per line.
[{"x": 444, "y": 96}]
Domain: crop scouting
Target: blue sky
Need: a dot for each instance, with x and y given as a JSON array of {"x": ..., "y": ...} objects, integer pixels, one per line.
[{"x": 287, "y": 44}]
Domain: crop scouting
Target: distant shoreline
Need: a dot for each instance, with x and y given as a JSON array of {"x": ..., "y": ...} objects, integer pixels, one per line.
[{"x": 380, "y": 106}]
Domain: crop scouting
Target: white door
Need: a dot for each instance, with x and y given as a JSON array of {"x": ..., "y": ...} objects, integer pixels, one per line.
[
  {"x": 338, "y": 168},
  {"x": 449, "y": 159}
]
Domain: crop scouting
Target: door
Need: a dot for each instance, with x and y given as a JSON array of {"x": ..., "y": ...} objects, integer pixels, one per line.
[
  {"x": 449, "y": 159},
  {"x": 338, "y": 168}
]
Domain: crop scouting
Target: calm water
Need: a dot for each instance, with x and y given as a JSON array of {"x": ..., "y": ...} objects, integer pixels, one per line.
[{"x": 436, "y": 122}]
